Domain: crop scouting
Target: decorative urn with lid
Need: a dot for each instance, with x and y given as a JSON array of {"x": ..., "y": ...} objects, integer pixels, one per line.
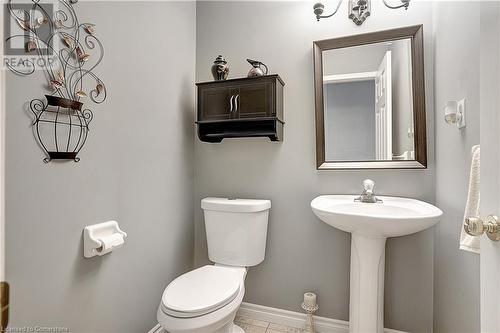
[{"x": 220, "y": 69}]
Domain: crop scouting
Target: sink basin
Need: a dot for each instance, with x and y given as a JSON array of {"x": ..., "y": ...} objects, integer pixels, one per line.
[
  {"x": 370, "y": 224},
  {"x": 392, "y": 217}
]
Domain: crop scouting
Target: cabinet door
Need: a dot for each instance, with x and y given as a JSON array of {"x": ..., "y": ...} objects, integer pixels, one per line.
[
  {"x": 216, "y": 103},
  {"x": 255, "y": 100}
]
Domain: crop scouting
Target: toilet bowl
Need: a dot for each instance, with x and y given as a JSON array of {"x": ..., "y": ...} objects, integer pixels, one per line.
[{"x": 205, "y": 300}]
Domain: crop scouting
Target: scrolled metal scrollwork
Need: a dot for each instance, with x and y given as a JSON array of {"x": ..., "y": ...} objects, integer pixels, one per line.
[{"x": 61, "y": 125}]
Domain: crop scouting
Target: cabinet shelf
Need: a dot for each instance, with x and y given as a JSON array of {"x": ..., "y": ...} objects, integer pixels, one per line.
[
  {"x": 247, "y": 107},
  {"x": 239, "y": 120},
  {"x": 216, "y": 131}
]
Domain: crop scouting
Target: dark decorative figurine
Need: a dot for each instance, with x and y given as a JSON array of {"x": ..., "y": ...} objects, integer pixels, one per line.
[
  {"x": 220, "y": 69},
  {"x": 256, "y": 69},
  {"x": 61, "y": 123}
]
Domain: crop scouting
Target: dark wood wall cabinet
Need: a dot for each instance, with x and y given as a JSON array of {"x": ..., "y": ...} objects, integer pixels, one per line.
[{"x": 247, "y": 107}]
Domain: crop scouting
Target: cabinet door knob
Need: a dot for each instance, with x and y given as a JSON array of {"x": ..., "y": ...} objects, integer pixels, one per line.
[
  {"x": 237, "y": 102},
  {"x": 475, "y": 226},
  {"x": 231, "y": 103}
]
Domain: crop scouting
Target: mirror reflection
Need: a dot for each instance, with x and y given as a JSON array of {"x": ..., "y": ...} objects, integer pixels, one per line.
[{"x": 368, "y": 103}]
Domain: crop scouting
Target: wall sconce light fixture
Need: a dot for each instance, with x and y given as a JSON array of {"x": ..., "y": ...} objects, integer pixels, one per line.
[
  {"x": 454, "y": 113},
  {"x": 359, "y": 10}
]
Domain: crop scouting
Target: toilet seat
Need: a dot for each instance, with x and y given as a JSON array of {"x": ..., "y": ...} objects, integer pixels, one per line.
[{"x": 202, "y": 291}]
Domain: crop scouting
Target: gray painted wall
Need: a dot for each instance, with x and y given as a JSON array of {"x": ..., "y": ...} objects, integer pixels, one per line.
[
  {"x": 137, "y": 168},
  {"x": 303, "y": 253},
  {"x": 350, "y": 121},
  {"x": 456, "y": 309}
]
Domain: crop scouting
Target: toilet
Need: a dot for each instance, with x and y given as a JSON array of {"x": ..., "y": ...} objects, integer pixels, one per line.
[{"x": 205, "y": 300}]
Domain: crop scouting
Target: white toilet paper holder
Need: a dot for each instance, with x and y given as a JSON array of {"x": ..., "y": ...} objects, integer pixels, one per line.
[{"x": 102, "y": 238}]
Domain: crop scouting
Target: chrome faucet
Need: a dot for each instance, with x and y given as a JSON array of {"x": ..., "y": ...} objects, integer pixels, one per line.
[{"x": 368, "y": 196}]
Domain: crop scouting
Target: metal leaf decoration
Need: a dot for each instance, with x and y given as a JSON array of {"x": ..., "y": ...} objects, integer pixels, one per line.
[
  {"x": 60, "y": 76},
  {"x": 81, "y": 94},
  {"x": 30, "y": 46},
  {"x": 23, "y": 24},
  {"x": 99, "y": 88},
  {"x": 90, "y": 29},
  {"x": 68, "y": 41},
  {"x": 82, "y": 56},
  {"x": 79, "y": 54},
  {"x": 41, "y": 21},
  {"x": 56, "y": 84}
]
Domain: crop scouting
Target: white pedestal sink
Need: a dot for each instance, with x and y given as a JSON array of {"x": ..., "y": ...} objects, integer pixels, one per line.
[{"x": 370, "y": 224}]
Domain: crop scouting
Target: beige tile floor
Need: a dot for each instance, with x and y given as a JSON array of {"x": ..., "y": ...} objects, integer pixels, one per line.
[{"x": 257, "y": 326}]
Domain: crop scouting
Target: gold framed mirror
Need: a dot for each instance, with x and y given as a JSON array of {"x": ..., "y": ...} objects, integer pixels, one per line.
[{"x": 370, "y": 101}]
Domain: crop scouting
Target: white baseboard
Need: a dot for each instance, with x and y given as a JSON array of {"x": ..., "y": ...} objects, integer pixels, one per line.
[
  {"x": 288, "y": 318},
  {"x": 295, "y": 319}
]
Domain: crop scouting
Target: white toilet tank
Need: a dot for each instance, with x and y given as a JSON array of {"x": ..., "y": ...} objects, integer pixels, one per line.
[{"x": 236, "y": 230}]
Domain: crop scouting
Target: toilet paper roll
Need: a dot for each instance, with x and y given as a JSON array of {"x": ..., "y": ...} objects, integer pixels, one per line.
[
  {"x": 310, "y": 299},
  {"x": 109, "y": 243}
]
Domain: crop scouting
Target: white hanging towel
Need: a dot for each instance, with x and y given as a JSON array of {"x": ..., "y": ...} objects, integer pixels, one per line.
[{"x": 468, "y": 242}]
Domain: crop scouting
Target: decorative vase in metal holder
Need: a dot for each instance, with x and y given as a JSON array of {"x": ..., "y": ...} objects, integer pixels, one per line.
[
  {"x": 67, "y": 51},
  {"x": 61, "y": 127}
]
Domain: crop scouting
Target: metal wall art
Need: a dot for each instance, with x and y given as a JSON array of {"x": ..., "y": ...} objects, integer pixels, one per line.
[{"x": 61, "y": 122}]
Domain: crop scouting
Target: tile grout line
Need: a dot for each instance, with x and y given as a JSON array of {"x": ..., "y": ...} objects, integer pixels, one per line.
[{"x": 250, "y": 324}]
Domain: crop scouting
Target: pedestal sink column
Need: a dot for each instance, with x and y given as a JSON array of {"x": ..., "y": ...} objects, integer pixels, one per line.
[{"x": 366, "y": 308}]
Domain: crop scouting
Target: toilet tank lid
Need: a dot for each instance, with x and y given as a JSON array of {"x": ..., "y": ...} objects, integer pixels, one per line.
[{"x": 235, "y": 205}]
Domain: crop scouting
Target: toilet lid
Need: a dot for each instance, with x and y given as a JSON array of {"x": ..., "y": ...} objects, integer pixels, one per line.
[{"x": 202, "y": 290}]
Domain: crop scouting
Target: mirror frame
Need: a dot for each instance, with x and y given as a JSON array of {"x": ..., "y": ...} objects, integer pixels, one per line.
[{"x": 415, "y": 33}]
